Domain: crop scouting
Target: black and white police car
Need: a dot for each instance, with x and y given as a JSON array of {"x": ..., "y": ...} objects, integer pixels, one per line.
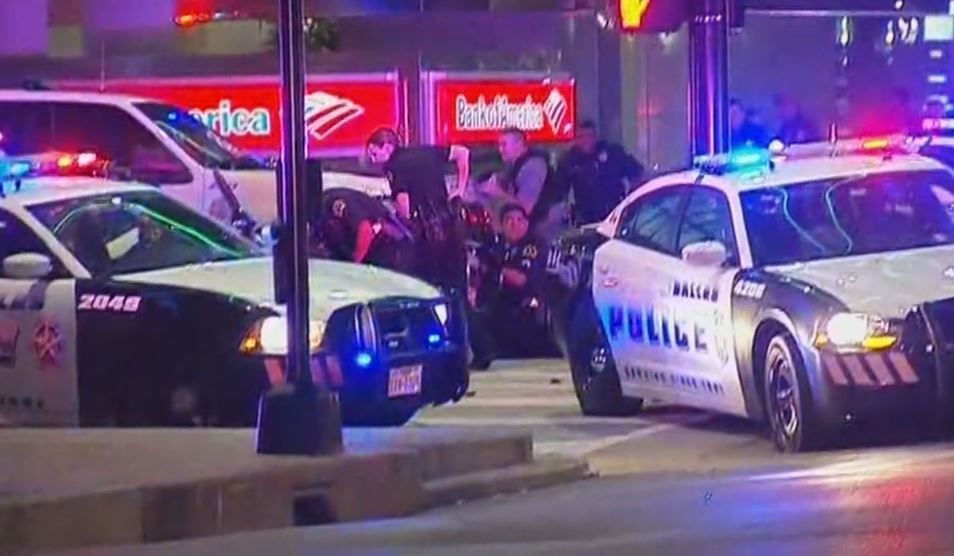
[
  {"x": 808, "y": 289},
  {"x": 120, "y": 305}
]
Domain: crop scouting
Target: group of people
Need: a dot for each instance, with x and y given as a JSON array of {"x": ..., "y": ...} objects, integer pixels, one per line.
[
  {"x": 745, "y": 129},
  {"x": 420, "y": 232}
]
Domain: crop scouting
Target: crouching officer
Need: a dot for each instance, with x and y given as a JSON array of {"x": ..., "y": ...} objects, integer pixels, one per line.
[
  {"x": 358, "y": 228},
  {"x": 517, "y": 314}
]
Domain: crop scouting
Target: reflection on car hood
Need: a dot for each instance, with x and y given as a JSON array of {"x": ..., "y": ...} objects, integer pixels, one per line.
[
  {"x": 257, "y": 190},
  {"x": 332, "y": 284},
  {"x": 888, "y": 284}
]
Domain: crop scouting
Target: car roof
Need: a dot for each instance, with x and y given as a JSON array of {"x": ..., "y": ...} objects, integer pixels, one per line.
[
  {"x": 35, "y": 191},
  {"x": 805, "y": 170},
  {"x": 89, "y": 97}
]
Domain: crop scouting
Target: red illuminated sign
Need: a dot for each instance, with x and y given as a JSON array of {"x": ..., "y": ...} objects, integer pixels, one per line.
[
  {"x": 475, "y": 111},
  {"x": 341, "y": 112}
]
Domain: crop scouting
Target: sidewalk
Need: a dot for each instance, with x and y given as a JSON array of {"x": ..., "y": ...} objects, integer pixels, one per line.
[{"x": 68, "y": 488}]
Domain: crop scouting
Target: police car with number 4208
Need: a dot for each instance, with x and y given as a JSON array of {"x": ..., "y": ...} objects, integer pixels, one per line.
[{"x": 808, "y": 287}]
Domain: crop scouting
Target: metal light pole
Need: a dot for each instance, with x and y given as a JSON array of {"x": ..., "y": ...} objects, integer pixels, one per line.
[
  {"x": 298, "y": 417},
  {"x": 709, "y": 77}
]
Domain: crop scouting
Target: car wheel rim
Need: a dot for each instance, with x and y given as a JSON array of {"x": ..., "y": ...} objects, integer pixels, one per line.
[
  {"x": 783, "y": 393},
  {"x": 599, "y": 357}
]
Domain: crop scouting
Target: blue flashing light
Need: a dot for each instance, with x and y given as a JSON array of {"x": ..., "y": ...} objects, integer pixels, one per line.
[
  {"x": 748, "y": 158},
  {"x": 18, "y": 169},
  {"x": 434, "y": 339},
  {"x": 363, "y": 359}
]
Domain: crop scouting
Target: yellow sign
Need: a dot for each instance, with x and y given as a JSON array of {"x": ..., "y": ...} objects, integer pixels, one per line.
[{"x": 631, "y": 13}]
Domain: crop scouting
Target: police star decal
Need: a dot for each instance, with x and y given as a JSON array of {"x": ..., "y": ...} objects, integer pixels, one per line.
[{"x": 48, "y": 344}]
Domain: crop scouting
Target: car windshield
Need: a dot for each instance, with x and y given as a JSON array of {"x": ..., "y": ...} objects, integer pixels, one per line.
[
  {"x": 138, "y": 231},
  {"x": 848, "y": 216},
  {"x": 204, "y": 145}
]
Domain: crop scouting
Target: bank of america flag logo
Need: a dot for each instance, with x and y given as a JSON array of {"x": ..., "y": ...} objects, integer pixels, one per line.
[
  {"x": 326, "y": 113},
  {"x": 556, "y": 108}
]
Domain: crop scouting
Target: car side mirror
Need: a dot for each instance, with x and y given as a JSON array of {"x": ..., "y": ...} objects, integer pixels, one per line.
[
  {"x": 27, "y": 266},
  {"x": 708, "y": 254}
]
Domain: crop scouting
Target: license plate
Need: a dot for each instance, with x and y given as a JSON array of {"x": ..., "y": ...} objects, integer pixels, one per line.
[{"x": 405, "y": 381}]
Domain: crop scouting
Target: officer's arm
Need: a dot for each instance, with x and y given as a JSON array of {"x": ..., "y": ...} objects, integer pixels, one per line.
[
  {"x": 403, "y": 202},
  {"x": 362, "y": 244},
  {"x": 460, "y": 156},
  {"x": 530, "y": 183}
]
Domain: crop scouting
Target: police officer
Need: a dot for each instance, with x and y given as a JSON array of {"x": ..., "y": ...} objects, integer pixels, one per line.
[
  {"x": 529, "y": 181},
  {"x": 599, "y": 174},
  {"x": 517, "y": 314},
  {"x": 358, "y": 228},
  {"x": 419, "y": 188}
]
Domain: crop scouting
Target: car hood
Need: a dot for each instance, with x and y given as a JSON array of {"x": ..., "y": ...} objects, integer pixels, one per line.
[
  {"x": 332, "y": 284},
  {"x": 257, "y": 189},
  {"x": 888, "y": 284}
]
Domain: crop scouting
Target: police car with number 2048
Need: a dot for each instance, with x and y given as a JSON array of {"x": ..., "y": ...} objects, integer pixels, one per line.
[
  {"x": 121, "y": 306},
  {"x": 809, "y": 287}
]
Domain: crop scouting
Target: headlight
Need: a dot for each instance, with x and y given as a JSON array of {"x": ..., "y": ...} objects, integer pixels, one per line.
[
  {"x": 270, "y": 337},
  {"x": 442, "y": 312},
  {"x": 855, "y": 331}
]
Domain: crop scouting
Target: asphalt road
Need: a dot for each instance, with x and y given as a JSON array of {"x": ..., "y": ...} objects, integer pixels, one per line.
[{"x": 673, "y": 481}]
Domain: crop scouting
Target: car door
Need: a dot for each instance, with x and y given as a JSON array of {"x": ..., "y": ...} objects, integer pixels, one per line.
[
  {"x": 702, "y": 365},
  {"x": 629, "y": 276},
  {"x": 38, "y": 374}
]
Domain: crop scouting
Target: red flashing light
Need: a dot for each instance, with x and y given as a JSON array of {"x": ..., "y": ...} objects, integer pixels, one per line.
[
  {"x": 186, "y": 20},
  {"x": 64, "y": 161},
  {"x": 196, "y": 18}
]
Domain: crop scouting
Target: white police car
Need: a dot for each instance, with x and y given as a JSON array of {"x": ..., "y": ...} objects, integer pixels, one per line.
[
  {"x": 120, "y": 305},
  {"x": 808, "y": 289}
]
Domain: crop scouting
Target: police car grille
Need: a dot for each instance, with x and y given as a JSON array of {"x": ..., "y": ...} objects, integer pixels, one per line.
[{"x": 405, "y": 327}]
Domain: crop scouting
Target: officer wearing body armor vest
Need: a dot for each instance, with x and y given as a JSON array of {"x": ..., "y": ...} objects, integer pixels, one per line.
[{"x": 529, "y": 181}]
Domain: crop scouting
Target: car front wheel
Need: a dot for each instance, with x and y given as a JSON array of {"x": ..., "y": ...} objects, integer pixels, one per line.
[
  {"x": 787, "y": 400},
  {"x": 594, "y": 372}
]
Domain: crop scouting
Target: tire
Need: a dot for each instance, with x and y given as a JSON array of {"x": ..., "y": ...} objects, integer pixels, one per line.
[
  {"x": 595, "y": 379},
  {"x": 792, "y": 423}
]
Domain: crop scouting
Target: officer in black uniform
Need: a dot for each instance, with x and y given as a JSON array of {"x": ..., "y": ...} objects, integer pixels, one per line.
[
  {"x": 517, "y": 314},
  {"x": 358, "y": 228},
  {"x": 420, "y": 191}
]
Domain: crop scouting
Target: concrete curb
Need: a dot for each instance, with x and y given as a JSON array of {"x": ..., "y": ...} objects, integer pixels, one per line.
[{"x": 406, "y": 478}]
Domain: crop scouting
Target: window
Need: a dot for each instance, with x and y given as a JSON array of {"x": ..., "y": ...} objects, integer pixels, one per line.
[
  {"x": 653, "y": 220},
  {"x": 708, "y": 218},
  {"x": 25, "y": 127},
  {"x": 847, "y": 216},
  {"x": 136, "y": 232},
  {"x": 198, "y": 141},
  {"x": 112, "y": 133},
  {"x": 16, "y": 238}
]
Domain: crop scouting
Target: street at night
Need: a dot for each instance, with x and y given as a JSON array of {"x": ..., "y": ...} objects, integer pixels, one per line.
[
  {"x": 673, "y": 482},
  {"x": 490, "y": 277}
]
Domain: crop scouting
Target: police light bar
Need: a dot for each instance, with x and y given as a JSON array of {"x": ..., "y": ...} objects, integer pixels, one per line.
[
  {"x": 882, "y": 145},
  {"x": 743, "y": 160},
  {"x": 53, "y": 164}
]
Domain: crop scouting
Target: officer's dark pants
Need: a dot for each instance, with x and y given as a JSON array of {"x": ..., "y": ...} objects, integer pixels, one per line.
[{"x": 442, "y": 255}]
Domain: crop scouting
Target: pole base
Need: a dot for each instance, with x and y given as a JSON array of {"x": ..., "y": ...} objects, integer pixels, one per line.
[{"x": 298, "y": 420}]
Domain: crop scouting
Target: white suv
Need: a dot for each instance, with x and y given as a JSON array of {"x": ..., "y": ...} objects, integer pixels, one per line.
[{"x": 157, "y": 143}]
